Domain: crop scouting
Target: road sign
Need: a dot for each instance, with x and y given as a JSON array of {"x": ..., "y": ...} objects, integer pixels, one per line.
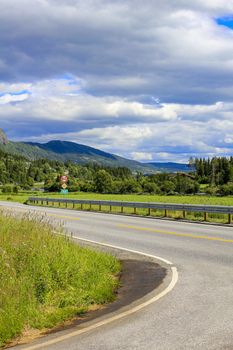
[
  {"x": 64, "y": 186},
  {"x": 64, "y": 191},
  {"x": 64, "y": 179}
]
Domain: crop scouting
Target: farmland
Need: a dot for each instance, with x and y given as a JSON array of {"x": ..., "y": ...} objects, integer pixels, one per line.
[{"x": 22, "y": 197}]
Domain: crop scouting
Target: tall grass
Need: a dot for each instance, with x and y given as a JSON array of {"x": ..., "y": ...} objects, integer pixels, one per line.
[{"x": 46, "y": 279}]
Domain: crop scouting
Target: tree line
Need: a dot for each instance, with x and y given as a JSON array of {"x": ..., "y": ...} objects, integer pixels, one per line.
[
  {"x": 216, "y": 173},
  {"x": 16, "y": 172}
]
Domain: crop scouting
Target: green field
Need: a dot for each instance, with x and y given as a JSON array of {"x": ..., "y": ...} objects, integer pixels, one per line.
[
  {"x": 192, "y": 199},
  {"x": 208, "y": 200},
  {"x": 46, "y": 279}
]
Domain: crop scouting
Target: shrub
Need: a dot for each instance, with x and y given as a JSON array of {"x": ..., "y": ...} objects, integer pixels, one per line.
[{"x": 7, "y": 189}]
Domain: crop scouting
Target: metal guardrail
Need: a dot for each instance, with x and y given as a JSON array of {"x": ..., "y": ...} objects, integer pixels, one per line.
[{"x": 184, "y": 208}]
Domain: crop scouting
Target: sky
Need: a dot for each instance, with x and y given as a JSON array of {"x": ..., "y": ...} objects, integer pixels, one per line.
[{"x": 150, "y": 81}]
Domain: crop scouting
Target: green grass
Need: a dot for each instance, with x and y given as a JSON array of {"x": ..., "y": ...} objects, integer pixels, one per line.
[
  {"x": 182, "y": 199},
  {"x": 205, "y": 200},
  {"x": 20, "y": 198},
  {"x": 208, "y": 200},
  {"x": 46, "y": 279}
]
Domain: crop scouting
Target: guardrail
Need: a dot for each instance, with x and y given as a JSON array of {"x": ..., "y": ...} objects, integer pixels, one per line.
[{"x": 184, "y": 208}]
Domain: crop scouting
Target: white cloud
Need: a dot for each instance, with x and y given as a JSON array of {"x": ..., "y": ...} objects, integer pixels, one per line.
[
  {"x": 8, "y": 98},
  {"x": 60, "y": 100},
  {"x": 141, "y": 156},
  {"x": 137, "y": 80}
]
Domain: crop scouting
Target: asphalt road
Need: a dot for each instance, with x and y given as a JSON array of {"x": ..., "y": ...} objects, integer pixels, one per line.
[{"x": 196, "y": 314}]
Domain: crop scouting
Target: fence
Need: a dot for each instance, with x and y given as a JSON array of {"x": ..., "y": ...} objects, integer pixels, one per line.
[{"x": 184, "y": 208}]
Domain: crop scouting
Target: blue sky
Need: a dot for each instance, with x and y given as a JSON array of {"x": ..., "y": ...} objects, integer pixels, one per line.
[
  {"x": 226, "y": 21},
  {"x": 151, "y": 82}
]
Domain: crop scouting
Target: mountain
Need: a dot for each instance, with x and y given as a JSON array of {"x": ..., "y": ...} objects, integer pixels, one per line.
[
  {"x": 169, "y": 167},
  {"x": 69, "y": 151},
  {"x": 82, "y": 154}
]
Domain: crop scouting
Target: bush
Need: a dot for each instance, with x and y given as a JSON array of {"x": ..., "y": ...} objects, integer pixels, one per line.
[
  {"x": 212, "y": 190},
  {"x": 130, "y": 186},
  {"x": 74, "y": 188},
  {"x": 226, "y": 190},
  {"x": 87, "y": 186},
  {"x": 15, "y": 189},
  {"x": 151, "y": 187},
  {"x": 103, "y": 182},
  {"x": 7, "y": 189},
  {"x": 168, "y": 186}
]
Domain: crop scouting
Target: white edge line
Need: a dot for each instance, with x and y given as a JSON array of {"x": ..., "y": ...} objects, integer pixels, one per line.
[
  {"x": 122, "y": 314},
  {"x": 125, "y": 249}
]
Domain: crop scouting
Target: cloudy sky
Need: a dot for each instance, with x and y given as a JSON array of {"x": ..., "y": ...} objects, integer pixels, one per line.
[{"x": 149, "y": 80}]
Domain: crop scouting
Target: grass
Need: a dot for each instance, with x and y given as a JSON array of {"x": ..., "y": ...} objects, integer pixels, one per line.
[
  {"x": 218, "y": 218},
  {"x": 180, "y": 199},
  {"x": 46, "y": 279}
]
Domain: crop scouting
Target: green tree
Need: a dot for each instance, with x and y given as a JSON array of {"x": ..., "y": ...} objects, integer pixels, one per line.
[{"x": 103, "y": 182}]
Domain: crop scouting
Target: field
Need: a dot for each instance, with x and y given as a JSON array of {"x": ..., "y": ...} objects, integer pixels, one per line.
[
  {"x": 46, "y": 279},
  {"x": 208, "y": 200},
  {"x": 192, "y": 199}
]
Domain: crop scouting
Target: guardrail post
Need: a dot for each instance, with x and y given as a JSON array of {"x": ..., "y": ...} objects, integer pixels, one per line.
[{"x": 151, "y": 208}]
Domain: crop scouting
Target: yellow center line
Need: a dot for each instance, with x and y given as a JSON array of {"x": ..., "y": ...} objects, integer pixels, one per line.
[
  {"x": 63, "y": 217},
  {"x": 163, "y": 232}
]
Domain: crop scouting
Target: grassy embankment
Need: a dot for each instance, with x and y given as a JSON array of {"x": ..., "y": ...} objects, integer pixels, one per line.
[
  {"x": 182, "y": 199},
  {"x": 46, "y": 279}
]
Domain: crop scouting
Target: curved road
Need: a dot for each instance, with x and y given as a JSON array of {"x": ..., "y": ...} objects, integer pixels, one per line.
[{"x": 197, "y": 314}]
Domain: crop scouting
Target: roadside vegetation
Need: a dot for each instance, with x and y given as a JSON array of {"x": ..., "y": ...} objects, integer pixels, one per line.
[
  {"x": 46, "y": 279},
  {"x": 23, "y": 196},
  {"x": 213, "y": 177},
  {"x": 209, "y": 181}
]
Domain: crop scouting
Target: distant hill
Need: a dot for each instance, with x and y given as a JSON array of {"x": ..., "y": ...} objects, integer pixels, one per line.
[
  {"x": 69, "y": 151},
  {"x": 81, "y": 154},
  {"x": 169, "y": 167}
]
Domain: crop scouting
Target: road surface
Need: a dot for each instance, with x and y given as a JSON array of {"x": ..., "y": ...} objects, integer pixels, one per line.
[{"x": 196, "y": 314}]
